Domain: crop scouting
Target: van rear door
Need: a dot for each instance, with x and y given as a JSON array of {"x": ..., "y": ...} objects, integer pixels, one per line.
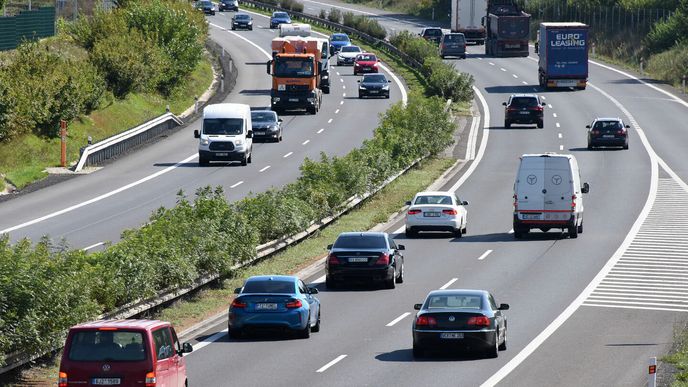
[
  {"x": 558, "y": 187},
  {"x": 529, "y": 188}
]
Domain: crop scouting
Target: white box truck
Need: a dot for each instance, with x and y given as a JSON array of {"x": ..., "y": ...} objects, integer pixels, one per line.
[{"x": 466, "y": 18}]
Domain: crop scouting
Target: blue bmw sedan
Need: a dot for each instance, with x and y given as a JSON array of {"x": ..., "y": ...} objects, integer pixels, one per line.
[{"x": 274, "y": 302}]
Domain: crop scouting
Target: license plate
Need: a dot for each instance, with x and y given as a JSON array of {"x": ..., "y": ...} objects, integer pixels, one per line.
[
  {"x": 524, "y": 112},
  {"x": 608, "y": 136},
  {"x": 451, "y": 335},
  {"x": 266, "y": 306},
  {"x": 106, "y": 381},
  {"x": 358, "y": 259},
  {"x": 293, "y": 100},
  {"x": 431, "y": 214},
  {"x": 530, "y": 216},
  {"x": 567, "y": 83},
  {"x": 220, "y": 154},
  {"x": 512, "y": 46},
  {"x": 260, "y": 133},
  {"x": 374, "y": 91}
]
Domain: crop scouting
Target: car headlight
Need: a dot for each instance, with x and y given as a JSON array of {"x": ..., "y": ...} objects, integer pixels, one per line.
[
  {"x": 361, "y": 87},
  {"x": 250, "y": 22},
  {"x": 275, "y": 99},
  {"x": 311, "y": 99},
  {"x": 385, "y": 87},
  {"x": 205, "y": 141},
  {"x": 238, "y": 142}
]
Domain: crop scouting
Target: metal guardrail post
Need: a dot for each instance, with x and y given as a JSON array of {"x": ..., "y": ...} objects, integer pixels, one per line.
[
  {"x": 222, "y": 83},
  {"x": 195, "y": 104},
  {"x": 683, "y": 83},
  {"x": 652, "y": 372}
]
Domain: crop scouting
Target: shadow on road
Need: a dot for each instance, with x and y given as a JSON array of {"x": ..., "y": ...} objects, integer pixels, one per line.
[{"x": 406, "y": 355}]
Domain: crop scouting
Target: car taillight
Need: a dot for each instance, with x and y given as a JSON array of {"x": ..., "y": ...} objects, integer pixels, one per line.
[
  {"x": 481, "y": 321},
  {"x": 238, "y": 304},
  {"x": 294, "y": 304},
  {"x": 443, "y": 46},
  {"x": 511, "y": 110},
  {"x": 595, "y": 132},
  {"x": 539, "y": 108},
  {"x": 414, "y": 212},
  {"x": 62, "y": 380},
  {"x": 621, "y": 131},
  {"x": 150, "y": 379},
  {"x": 383, "y": 260},
  {"x": 450, "y": 212},
  {"x": 333, "y": 260},
  {"x": 425, "y": 321},
  {"x": 573, "y": 202}
]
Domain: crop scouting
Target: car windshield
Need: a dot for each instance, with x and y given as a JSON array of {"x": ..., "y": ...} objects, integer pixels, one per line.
[
  {"x": 518, "y": 102},
  {"x": 433, "y": 32},
  {"x": 433, "y": 199},
  {"x": 205, "y": 4},
  {"x": 366, "y": 58},
  {"x": 223, "y": 126},
  {"x": 374, "y": 78},
  {"x": 294, "y": 67},
  {"x": 242, "y": 17},
  {"x": 454, "y": 301},
  {"x": 454, "y": 38},
  {"x": 351, "y": 49},
  {"x": 607, "y": 125},
  {"x": 340, "y": 38},
  {"x": 107, "y": 346},
  {"x": 360, "y": 242},
  {"x": 281, "y": 15},
  {"x": 268, "y": 286},
  {"x": 264, "y": 116}
]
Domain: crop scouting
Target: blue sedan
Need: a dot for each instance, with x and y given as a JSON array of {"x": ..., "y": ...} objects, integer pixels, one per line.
[
  {"x": 274, "y": 302},
  {"x": 278, "y": 18}
]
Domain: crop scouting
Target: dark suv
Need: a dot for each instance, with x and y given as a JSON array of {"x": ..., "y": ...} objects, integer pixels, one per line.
[
  {"x": 365, "y": 256},
  {"x": 607, "y": 132},
  {"x": 228, "y": 5},
  {"x": 432, "y": 34},
  {"x": 524, "y": 109},
  {"x": 453, "y": 44}
]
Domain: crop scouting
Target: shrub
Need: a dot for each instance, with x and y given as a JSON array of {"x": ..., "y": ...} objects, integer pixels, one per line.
[
  {"x": 364, "y": 24},
  {"x": 322, "y": 14},
  {"x": 335, "y": 15},
  {"x": 670, "y": 65},
  {"x": 292, "y": 5},
  {"x": 414, "y": 46},
  {"x": 446, "y": 82}
]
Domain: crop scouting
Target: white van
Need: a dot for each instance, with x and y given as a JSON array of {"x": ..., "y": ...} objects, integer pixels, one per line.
[
  {"x": 548, "y": 194},
  {"x": 225, "y": 134}
]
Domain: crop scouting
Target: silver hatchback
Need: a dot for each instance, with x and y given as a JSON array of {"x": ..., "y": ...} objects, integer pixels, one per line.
[{"x": 453, "y": 44}]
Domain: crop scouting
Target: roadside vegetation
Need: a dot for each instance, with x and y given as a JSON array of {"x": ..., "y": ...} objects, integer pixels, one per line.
[
  {"x": 142, "y": 57},
  {"x": 421, "y": 8},
  {"x": 678, "y": 358}
]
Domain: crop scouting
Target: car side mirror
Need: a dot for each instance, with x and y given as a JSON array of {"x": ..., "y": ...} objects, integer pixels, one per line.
[
  {"x": 401, "y": 247},
  {"x": 586, "y": 188},
  {"x": 464, "y": 203},
  {"x": 249, "y": 134},
  {"x": 417, "y": 306},
  {"x": 408, "y": 203},
  {"x": 503, "y": 307},
  {"x": 544, "y": 104},
  {"x": 359, "y": 81},
  {"x": 237, "y": 290},
  {"x": 329, "y": 247},
  {"x": 186, "y": 348},
  {"x": 587, "y": 126},
  {"x": 312, "y": 291},
  {"x": 197, "y": 134},
  {"x": 279, "y": 120},
  {"x": 628, "y": 126},
  {"x": 389, "y": 81},
  {"x": 503, "y": 103}
]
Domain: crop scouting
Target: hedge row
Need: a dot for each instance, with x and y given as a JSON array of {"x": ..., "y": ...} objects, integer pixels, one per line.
[
  {"x": 44, "y": 289},
  {"x": 364, "y": 24},
  {"x": 291, "y": 5},
  {"x": 146, "y": 46}
]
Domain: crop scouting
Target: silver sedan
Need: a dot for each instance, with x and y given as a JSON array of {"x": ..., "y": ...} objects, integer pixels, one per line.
[{"x": 436, "y": 211}]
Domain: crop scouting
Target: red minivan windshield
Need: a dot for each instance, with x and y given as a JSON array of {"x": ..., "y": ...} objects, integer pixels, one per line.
[{"x": 106, "y": 345}]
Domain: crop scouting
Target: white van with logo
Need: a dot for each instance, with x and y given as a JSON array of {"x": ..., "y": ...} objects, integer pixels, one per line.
[
  {"x": 225, "y": 134},
  {"x": 548, "y": 194}
]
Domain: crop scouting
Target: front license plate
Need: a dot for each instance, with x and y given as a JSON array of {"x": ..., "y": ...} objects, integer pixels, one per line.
[
  {"x": 451, "y": 335},
  {"x": 530, "y": 216},
  {"x": 260, "y": 133},
  {"x": 293, "y": 100},
  {"x": 221, "y": 154},
  {"x": 431, "y": 214},
  {"x": 106, "y": 381},
  {"x": 266, "y": 306},
  {"x": 358, "y": 259}
]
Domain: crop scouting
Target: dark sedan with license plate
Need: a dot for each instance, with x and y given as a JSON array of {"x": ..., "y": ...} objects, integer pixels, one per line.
[
  {"x": 274, "y": 302},
  {"x": 364, "y": 257},
  {"x": 607, "y": 132},
  {"x": 266, "y": 125},
  {"x": 243, "y": 21},
  {"x": 373, "y": 85},
  {"x": 524, "y": 109},
  {"x": 206, "y": 6},
  {"x": 460, "y": 319}
]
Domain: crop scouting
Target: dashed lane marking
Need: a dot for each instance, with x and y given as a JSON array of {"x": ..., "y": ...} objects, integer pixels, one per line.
[
  {"x": 330, "y": 364},
  {"x": 305, "y": 142},
  {"x": 236, "y": 184},
  {"x": 329, "y": 121},
  {"x": 396, "y": 320},
  {"x": 288, "y": 154},
  {"x": 320, "y": 131},
  {"x": 264, "y": 169},
  {"x": 485, "y": 254},
  {"x": 448, "y": 284}
]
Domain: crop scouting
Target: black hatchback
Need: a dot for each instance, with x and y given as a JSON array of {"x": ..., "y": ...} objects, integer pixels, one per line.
[
  {"x": 242, "y": 20},
  {"x": 206, "y": 6},
  {"x": 373, "y": 85},
  {"x": 364, "y": 257},
  {"x": 524, "y": 109},
  {"x": 607, "y": 132}
]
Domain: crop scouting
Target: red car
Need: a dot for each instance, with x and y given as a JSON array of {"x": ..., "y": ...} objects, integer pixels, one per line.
[
  {"x": 366, "y": 63},
  {"x": 123, "y": 353}
]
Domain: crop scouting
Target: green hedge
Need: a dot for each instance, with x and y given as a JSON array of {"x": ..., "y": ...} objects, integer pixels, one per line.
[
  {"x": 45, "y": 289},
  {"x": 364, "y": 24}
]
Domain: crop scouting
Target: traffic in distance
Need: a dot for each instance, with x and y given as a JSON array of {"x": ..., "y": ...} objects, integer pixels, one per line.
[{"x": 547, "y": 194}]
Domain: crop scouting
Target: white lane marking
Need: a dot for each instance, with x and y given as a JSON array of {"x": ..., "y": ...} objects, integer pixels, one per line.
[
  {"x": 549, "y": 105},
  {"x": 320, "y": 280},
  {"x": 98, "y": 198},
  {"x": 514, "y": 75},
  {"x": 343, "y": 87},
  {"x": 399, "y": 230},
  {"x": 236, "y": 184},
  {"x": 341, "y": 80},
  {"x": 288, "y": 154},
  {"x": 244, "y": 39},
  {"x": 396, "y": 320},
  {"x": 510, "y": 231},
  {"x": 404, "y": 95},
  {"x": 215, "y": 337},
  {"x": 483, "y": 143},
  {"x": 554, "y": 115},
  {"x": 330, "y": 364},
  {"x": 338, "y": 73},
  {"x": 479, "y": 58},
  {"x": 93, "y": 246},
  {"x": 561, "y": 147},
  {"x": 502, "y": 68},
  {"x": 448, "y": 284},
  {"x": 524, "y": 82},
  {"x": 336, "y": 111},
  {"x": 341, "y": 102},
  {"x": 329, "y": 121},
  {"x": 558, "y": 125},
  {"x": 472, "y": 138},
  {"x": 543, "y": 97},
  {"x": 320, "y": 131},
  {"x": 264, "y": 169},
  {"x": 305, "y": 142},
  {"x": 485, "y": 254},
  {"x": 560, "y": 136},
  {"x": 343, "y": 94},
  {"x": 492, "y": 64}
]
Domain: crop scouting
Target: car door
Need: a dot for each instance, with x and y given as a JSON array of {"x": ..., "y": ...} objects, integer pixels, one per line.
[
  {"x": 305, "y": 294},
  {"x": 499, "y": 317},
  {"x": 178, "y": 360},
  {"x": 165, "y": 368},
  {"x": 398, "y": 258},
  {"x": 461, "y": 210}
]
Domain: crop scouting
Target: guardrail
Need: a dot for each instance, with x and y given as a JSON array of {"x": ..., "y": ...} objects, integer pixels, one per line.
[{"x": 378, "y": 43}]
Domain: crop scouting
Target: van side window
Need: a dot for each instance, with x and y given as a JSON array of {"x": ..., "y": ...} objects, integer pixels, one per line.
[{"x": 163, "y": 343}]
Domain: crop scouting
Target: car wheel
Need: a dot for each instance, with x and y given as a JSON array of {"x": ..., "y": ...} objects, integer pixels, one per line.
[
  {"x": 391, "y": 283},
  {"x": 305, "y": 332},
  {"x": 329, "y": 283},
  {"x": 502, "y": 346},
  {"x": 387, "y": 97},
  {"x": 202, "y": 161},
  {"x": 493, "y": 350},
  {"x": 418, "y": 352},
  {"x": 625, "y": 146},
  {"x": 580, "y": 228},
  {"x": 234, "y": 333},
  {"x": 316, "y": 327},
  {"x": 410, "y": 233},
  {"x": 573, "y": 232},
  {"x": 360, "y": 96},
  {"x": 540, "y": 124},
  {"x": 463, "y": 57},
  {"x": 400, "y": 279},
  {"x": 233, "y": 28},
  {"x": 507, "y": 124},
  {"x": 280, "y": 136},
  {"x": 244, "y": 160},
  {"x": 589, "y": 146},
  {"x": 458, "y": 233},
  {"x": 442, "y": 56}
]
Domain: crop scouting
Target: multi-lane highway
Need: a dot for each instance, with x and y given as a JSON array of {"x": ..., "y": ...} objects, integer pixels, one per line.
[
  {"x": 586, "y": 311},
  {"x": 93, "y": 209}
]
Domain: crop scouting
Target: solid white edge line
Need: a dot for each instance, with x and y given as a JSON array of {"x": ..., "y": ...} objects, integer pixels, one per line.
[
  {"x": 99, "y": 198},
  {"x": 404, "y": 95},
  {"x": 330, "y": 364},
  {"x": 320, "y": 279},
  {"x": 448, "y": 284},
  {"x": 485, "y": 254},
  {"x": 264, "y": 169},
  {"x": 472, "y": 138},
  {"x": 237, "y": 184},
  {"x": 244, "y": 39},
  {"x": 93, "y": 246},
  {"x": 396, "y": 320}
]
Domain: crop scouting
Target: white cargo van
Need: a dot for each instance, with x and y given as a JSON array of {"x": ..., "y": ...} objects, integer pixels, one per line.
[
  {"x": 548, "y": 194},
  {"x": 225, "y": 134}
]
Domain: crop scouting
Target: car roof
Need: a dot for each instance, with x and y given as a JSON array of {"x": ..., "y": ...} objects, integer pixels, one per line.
[
  {"x": 376, "y": 75},
  {"x": 280, "y": 13},
  {"x": 424, "y": 193},
  {"x": 548, "y": 154},
  {"x": 272, "y": 278},
  {"x": 608, "y": 119},
  {"x": 263, "y": 111},
  {"x": 458, "y": 292},
  {"x": 340, "y": 34},
  {"x": 123, "y": 324},
  {"x": 225, "y": 110},
  {"x": 363, "y": 233}
]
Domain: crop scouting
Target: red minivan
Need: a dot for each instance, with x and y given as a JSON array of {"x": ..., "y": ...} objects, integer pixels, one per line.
[{"x": 141, "y": 353}]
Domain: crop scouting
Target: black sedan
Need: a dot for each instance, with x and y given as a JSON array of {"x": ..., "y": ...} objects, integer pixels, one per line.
[
  {"x": 242, "y": 20},
  {"x": 607, "y": 132},
  {"x": 266, "y": 125},
  {"x": 456, "y": 318},
  {"x": 231, "y": 5},
  {"x": 206, "y": 6},
  {"x": 364, "y": 257},
  {"x": 373, "y": 85},
  {"x": 524, "y": 109}
]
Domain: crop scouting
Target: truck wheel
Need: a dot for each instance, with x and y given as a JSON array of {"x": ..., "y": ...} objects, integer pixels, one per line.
[{"x": 573, "y": 232}]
